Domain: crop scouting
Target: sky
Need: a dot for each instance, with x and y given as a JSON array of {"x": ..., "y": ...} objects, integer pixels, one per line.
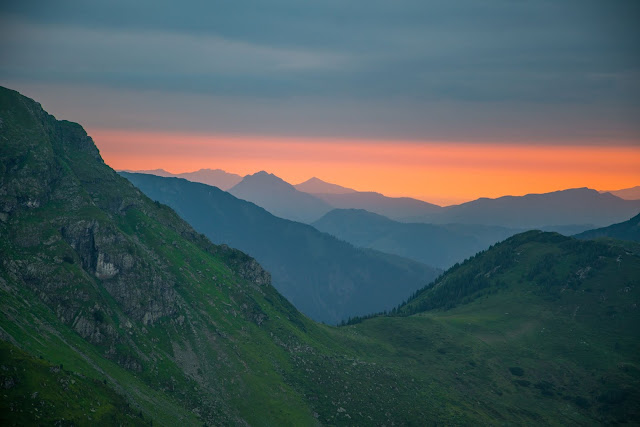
[{"x": 445, "y": 101}]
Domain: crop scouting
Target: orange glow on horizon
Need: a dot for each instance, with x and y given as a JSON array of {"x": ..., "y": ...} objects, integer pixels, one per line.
[{"x": 438, "y": 172}]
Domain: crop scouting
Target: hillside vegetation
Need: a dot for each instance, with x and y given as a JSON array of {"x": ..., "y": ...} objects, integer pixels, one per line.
[{"x": 149, "y": 317}]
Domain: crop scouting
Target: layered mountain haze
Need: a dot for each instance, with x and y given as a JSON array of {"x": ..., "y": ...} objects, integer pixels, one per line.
[
  {"x": 216, "y": 177},
  {"x": 567, "y": 211},
  {"x": 627, "y": 230},
  {"x": 316, "y": 185},
  {"x": 579, "y": 206},
  {"x": 437, "y": 245},
  {"x": 632, "y": 193},
  {"x": 279, "y": 197},
  {"x": 325, "y": 278},
  {"x": 397, "y": 208},
  {"x": 156, "y": 172}
]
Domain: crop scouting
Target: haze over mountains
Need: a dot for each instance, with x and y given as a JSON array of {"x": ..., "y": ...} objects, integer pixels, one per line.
[
  {"x": 216, "y": 177},
  {"x": 632, "y": 193},
  {"x": 315, "y": 185},
  {"x": 326, "y": 278},
  {"x": 114, "y": 310},
  {"x": 279, "y": 197},
  {"x": 560, "y": 208},
  {"x": 437, "y": 245},
  {"x": 627, "y": 230},
  {"x": 567, "y": 211},
  {"x": 397, "y": 208}
]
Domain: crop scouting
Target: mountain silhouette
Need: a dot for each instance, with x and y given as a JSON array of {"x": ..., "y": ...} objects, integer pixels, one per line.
[
  {"x": 437, "y": 245},
  {"x": 632, "y": 193},
  {"x": 397, "y": 208},
  {"x": 216, "y": 177},
  {"x": 627, "y": 230},
  {"x": 316, "y": 185},
  {"x": 279, "y": 197},
  {"x": 579, "y": 206}
]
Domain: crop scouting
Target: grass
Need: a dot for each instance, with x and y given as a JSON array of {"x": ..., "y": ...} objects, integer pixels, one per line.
[{"x": 34, "y": 390}]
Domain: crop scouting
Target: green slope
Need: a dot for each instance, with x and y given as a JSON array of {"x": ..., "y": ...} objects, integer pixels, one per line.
[
  {"x": 627, "y": 230},
  {"x": 124, "y": 294},
  {"x": 34, "y": 390},
  {"x": 558, "y": 314}
]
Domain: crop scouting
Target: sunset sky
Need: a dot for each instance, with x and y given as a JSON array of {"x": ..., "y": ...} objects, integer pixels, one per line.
[{"x": 438, "y": 100}]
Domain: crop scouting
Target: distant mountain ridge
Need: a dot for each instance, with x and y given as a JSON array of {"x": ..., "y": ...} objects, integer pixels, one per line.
[
  {"x": 632, "y": 193},
  {"x": 316, "y": 185},
  {"x": 567, "y": 211},
  {"x": 627, "y": 230},
  {"x": 156, "y": 172},
  {"x": 279, "y": 197},
  {"x": 437, "y": 245},
  {"x": 576, "y": 206},
  {"x": 397, "y": 208},
  {"x": 216, "y": 177}
]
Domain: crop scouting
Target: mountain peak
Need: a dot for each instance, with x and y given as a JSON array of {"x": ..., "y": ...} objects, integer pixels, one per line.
[
  {"x": 265, "y": 178},
  {"x": 317, "y": 186},
  {"x": 279, "y": 197}
]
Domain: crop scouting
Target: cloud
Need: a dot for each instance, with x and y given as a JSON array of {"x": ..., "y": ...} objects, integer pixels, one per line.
[{"x": 405, "y": 69}]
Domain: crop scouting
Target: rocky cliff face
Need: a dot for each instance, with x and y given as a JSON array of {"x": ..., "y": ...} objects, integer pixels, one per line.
[{"x": 61, "y": 216}]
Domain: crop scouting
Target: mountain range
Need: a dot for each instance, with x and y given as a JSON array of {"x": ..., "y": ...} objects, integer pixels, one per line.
[
  {"x": 567, "y": 211},
  {"x": 579, "y": 206},
  {"x": 316, "y": 185},
  {"x": 325, "y": 278},
  {"x": 627, "y": 230},
  {"x": 216, "y": 177},
  {"x": 632, "y": 193},
  {"x": 114, "y": 310},
  {"x": 279, "y": 197},
  {"x": 437, "y": 245}
]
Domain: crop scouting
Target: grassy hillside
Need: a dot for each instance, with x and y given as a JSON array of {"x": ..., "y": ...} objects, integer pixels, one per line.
[
  {"x": 559, "y": 315},
  {"x": 139, "y": 308},
  {"x": 34, "y": 390}
]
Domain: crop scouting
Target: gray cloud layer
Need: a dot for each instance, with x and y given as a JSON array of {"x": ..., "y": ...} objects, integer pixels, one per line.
[{"x": 492, "y": 70}]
